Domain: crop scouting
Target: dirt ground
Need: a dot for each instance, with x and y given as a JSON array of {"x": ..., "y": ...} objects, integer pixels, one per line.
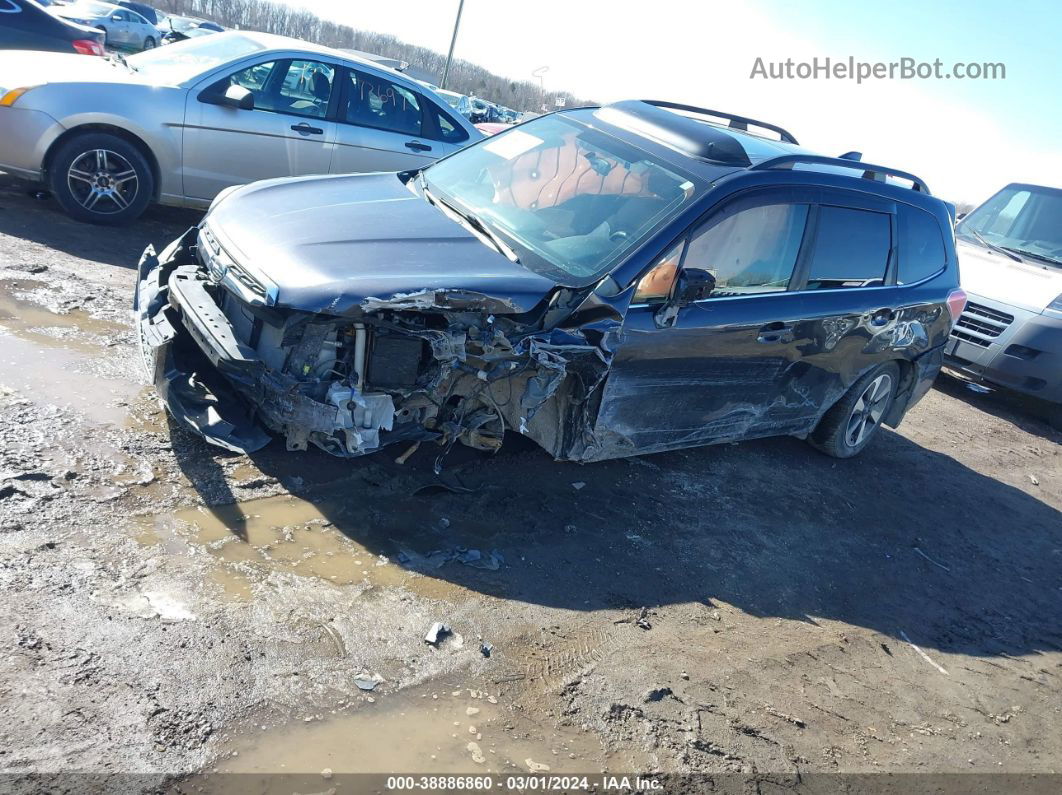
[{"x": 168, "y": 609}]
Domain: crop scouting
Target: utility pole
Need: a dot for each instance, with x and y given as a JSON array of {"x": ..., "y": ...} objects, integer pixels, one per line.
[{"x": 453, "y": 41}]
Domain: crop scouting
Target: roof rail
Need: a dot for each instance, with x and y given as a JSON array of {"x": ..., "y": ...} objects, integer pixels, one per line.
[
  {"x": 876, "y": 173},
  {"x": 734, "y": 122}
]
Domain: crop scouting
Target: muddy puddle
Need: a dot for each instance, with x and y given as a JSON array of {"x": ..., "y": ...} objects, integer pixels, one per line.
[
  {"x": 429, "y": 730},
  {"x": 55, "y": 359},
  {"x": 330, "y": 539}
]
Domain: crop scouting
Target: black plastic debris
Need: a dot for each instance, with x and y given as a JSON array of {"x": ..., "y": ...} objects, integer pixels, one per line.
[
  {"x": 436, "y": 559},
  {"x": 658, "y": 694},
  {"x": 486, "y": 648}
]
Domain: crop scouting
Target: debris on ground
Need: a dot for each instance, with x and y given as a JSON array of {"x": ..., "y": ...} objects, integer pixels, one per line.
[
  {"x": 921, "y": 653},
  {"x": 367, "y": 682},
  {"x": 536, "y": 767},
  {"x": 436, "y": 559},
  {"x": 658, "y": 694},
  {"x": 438, "y": 631},
  {"x": 935, "y": 563},
  {"x": 799, "y": 723},
  {"x": 477, "y": 753},
  {"x": 643, "y": 619},
  {"x": 486, "y": 648}
]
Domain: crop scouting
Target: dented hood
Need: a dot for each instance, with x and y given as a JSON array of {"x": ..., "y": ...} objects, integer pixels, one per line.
[{"x": 335, "y": 244}]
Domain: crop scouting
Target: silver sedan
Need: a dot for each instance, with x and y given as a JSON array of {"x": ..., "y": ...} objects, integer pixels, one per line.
[
  {"x": 122, "y": 27},
  {"x": 180, "y": 124}
]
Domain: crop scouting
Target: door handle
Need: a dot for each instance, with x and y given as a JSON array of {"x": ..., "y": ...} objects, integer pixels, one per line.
[
  {"x": 417, "y": 146},
  {"x": 775, "y": 332},
  {"x": 305, "y": 129}
]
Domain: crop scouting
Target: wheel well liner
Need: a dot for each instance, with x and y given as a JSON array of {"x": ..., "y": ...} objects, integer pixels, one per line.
[{"x": 111, "y": 129}]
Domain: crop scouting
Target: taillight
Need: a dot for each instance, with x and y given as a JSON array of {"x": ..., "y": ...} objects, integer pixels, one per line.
[
  {"x": 87, "y": 47},
  {"x": 956, "y": 303}
]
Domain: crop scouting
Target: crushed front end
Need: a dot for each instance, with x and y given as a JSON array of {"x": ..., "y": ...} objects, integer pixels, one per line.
[{"x": 442, "y": 365}]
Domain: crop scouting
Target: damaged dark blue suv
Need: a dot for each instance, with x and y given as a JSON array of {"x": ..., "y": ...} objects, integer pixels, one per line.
[{"x": 607, "y": 281}]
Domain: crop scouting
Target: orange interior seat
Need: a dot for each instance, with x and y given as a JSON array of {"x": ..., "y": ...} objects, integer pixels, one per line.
[{"x": 551, "y": 176}]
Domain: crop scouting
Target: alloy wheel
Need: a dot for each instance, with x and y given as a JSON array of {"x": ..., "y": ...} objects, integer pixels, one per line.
[
  {"x": 102, "y": 181},
  {"x": 866, "y": 414}
]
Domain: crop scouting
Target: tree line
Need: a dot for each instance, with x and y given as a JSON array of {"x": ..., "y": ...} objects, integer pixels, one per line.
[{"x": 465, "y": 77}]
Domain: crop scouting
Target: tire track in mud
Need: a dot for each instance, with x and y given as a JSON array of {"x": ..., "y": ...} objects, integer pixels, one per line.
[{"x": 557, "y": 663}]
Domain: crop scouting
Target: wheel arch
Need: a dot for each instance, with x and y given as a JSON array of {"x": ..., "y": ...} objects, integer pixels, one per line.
[
  {"x": 908, "y": 379},
  {"x": 118, "y": 132}
]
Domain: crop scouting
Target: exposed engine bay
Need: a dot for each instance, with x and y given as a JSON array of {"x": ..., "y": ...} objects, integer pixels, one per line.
[{"x": 438, "y": 365}]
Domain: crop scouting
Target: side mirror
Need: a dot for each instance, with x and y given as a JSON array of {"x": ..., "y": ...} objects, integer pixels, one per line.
[
  {"x": 238, "y": 97},
  {"x": 694, "y": 284}
]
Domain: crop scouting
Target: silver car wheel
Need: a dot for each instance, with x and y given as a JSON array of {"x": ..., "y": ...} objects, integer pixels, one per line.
[
  {"x": 149, "y": 43},
  {"x": 102, "y": 181},
  {"x": 866, "y": 414}
]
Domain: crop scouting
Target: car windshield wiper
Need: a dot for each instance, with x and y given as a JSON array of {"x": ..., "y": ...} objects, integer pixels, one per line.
[
  {"x": 993, "y": 246},
  {"x": 470, "y": 220},
  {"x": 1025, "y": 253}
]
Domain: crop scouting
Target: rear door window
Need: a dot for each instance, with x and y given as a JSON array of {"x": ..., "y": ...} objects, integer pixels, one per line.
[
  {"x": 921, "y": 246},
  {"x": 375, "y": 102},
  {"x": 851, "y": 249}
]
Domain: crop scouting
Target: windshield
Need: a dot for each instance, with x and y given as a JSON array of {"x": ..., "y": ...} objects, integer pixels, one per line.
[
  {"x": 184, "y": 24},
  {"x": 1023, "y": 219},
  {"x": 453, "y": 99},
  {"x": 571, "y": 200},
  {"x": 184, "y": 60}
]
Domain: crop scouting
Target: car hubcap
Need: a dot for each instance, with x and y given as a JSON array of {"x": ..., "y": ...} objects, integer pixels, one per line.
[
  {"x": 149, "y": 44},
  {"x": 102, "y": 181},
  {"x": 866, "y": 415}
]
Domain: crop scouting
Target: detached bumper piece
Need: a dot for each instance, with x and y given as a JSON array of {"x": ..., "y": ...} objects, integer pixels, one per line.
[{"x": 176, "y": 355}]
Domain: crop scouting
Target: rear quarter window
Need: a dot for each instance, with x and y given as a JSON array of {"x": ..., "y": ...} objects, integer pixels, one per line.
[
  {"x": 922, "y": 251},
  {"x": 851, "y": 249}
]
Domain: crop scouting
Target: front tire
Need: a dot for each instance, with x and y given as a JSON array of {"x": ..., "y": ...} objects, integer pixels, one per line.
[
  {"x": 106, "y": 38},
  {"x": 854, "y": 420},
  {"x": 101, "y": 179},
  {"x": 149, "y": 43}
]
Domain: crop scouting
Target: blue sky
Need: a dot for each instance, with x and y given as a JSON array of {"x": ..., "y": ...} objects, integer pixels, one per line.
[
  {"x": 967, "y": 138},
  {"x": 1026, "y": 36}
]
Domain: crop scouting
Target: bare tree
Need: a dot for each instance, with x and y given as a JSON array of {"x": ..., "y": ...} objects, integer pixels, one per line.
[{"x": 465, "y": 77}]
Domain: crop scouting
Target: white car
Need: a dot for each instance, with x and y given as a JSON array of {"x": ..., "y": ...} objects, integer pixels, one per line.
[
  {"x": 1010, "y": 264},
  {"x": 122, "y": 27}
]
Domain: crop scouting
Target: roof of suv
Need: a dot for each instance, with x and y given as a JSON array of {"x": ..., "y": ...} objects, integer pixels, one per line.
[{"x": 730, "y": 146}]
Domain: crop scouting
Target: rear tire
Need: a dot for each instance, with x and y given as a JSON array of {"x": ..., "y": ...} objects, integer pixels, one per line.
[
  {"x": 854, "y": 420},
  {"x": 101, "y": 179}
]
